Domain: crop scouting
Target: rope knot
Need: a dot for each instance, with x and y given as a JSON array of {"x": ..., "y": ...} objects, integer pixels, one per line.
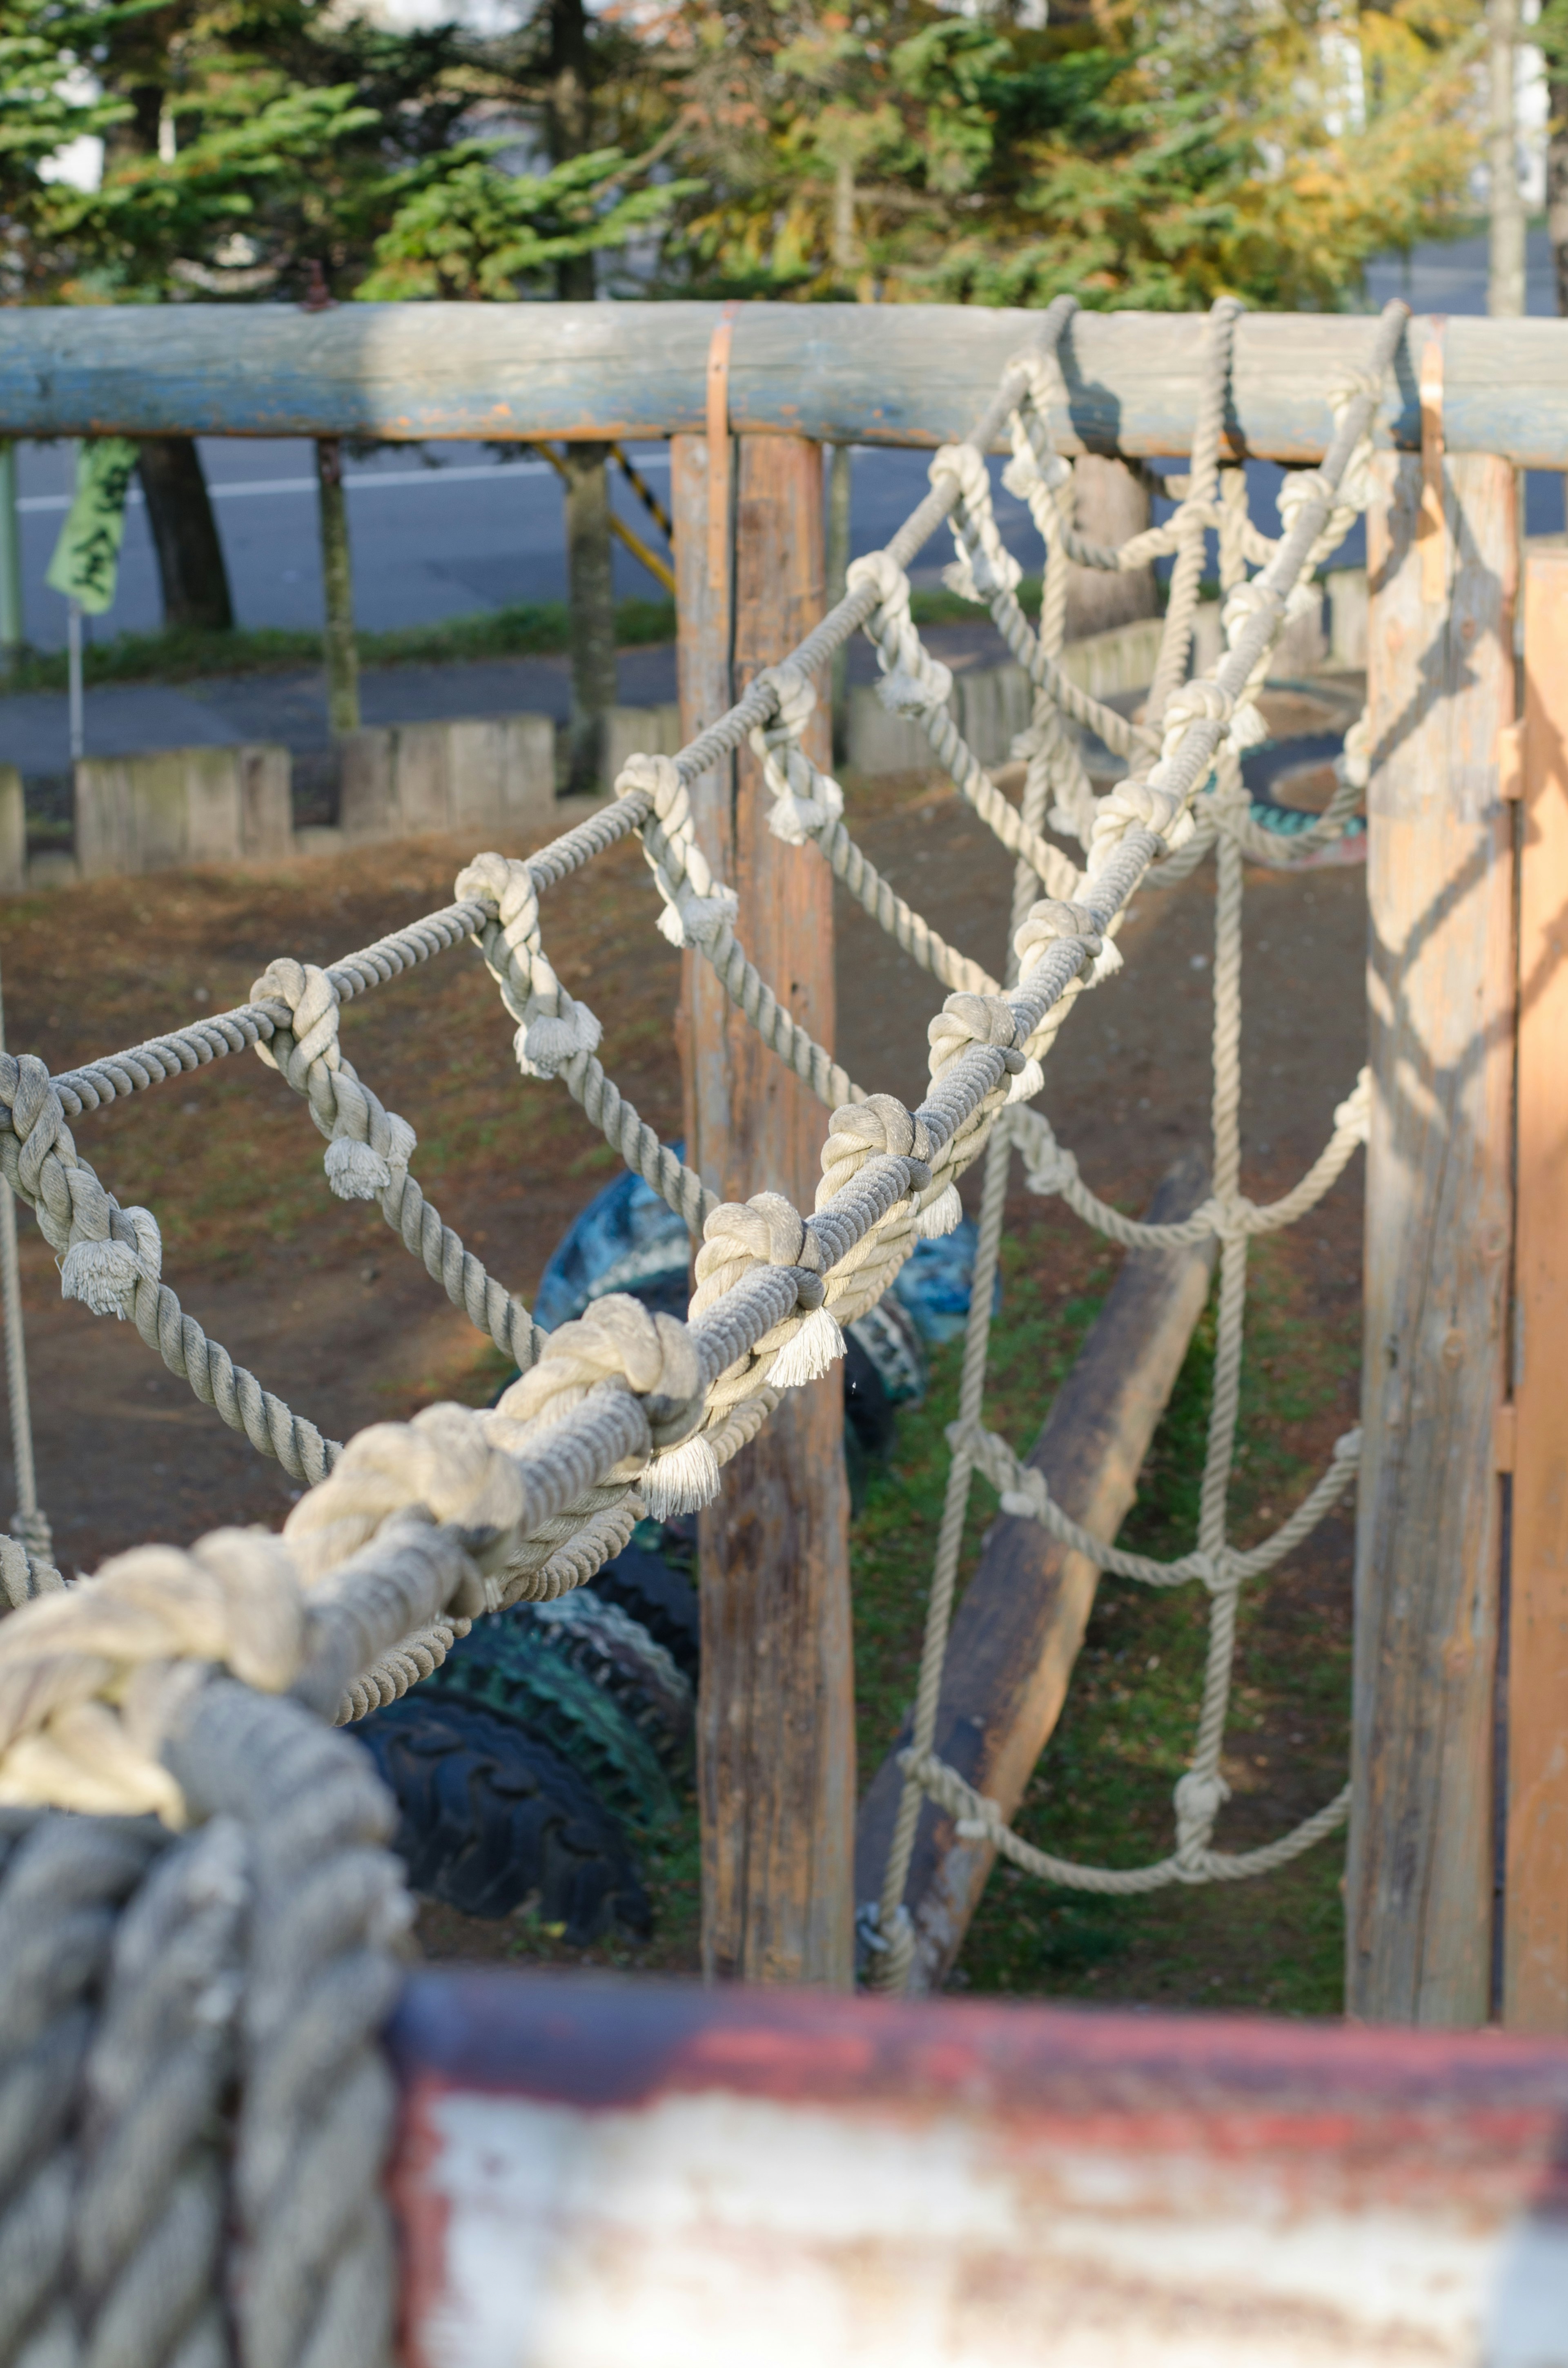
[
  {"x": 861, "y": 1131},
  {"x": 616, "y": 1340},
  {"x": 697, "y": 910},
  {"x": 1199, "y": 1799},
  {"x": 442, "y": 1460},
  {"x": 1051, "y": 921},
  {"x": 311, "y": 1000},
  {"x": 965, "y": 1019},
  {"x": 369, "y": 1147},
  {"x": 795, "y": 699},
  {"x": 915, "y": 692},
  {"x": 806, "y": 801},
  {"x": 660, "y": 777},
  {"x": 506, "y": 884},
  {"x": 984, "y": 567},
  {"x": 767, "y": 1230},
  {"x": 104, "y": 1252},
  {"x": 1196, "y": 702},
  {"x": 913, "y": 684},
  {"x": 92, "y": 1677},
  {"x": 553, "y": 1027},
  {"x": 1354, "y": 1114},
  {"x": 1136, "y": 805},
  {"x": 891, "y": 587},
  {"x": 1353, "y": 764}
]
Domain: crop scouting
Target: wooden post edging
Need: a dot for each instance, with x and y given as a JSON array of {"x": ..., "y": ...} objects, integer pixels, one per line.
[
  {"x": 592, "y": 2173},
  {"x": 1438, "y": 1230},
  {"x": 1535, "y": 1917},
  {"x": 1021, "y": 1621},
  {"x": 776, "y": 1732}
]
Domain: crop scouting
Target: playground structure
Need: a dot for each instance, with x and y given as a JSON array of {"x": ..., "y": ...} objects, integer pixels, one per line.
[{"x": 406, "y": 1536}]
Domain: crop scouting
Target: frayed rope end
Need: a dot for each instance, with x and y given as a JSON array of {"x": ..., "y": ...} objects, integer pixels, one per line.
[
  {"x": 808, "y": 1354},
  {"x": 682, "y": 1481},
  {"x": 945, "y": 1212},
  {"x": 102, "y": 1275},
  {"x": 354, "y": 1171}
]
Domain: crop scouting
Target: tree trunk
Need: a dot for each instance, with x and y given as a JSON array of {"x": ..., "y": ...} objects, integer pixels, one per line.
[
  {"x": 1505, "y": 275},
  {"x": 337, "y": 588},
  {"x": 1111, "y": 504},
  {"x": 192, "y": 571},
  {"x": 1557, "y": 183},
  {"x": 592, "y": 609},
  {"x": 590, "y": 573}
]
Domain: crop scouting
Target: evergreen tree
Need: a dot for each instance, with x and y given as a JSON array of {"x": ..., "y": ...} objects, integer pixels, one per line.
[
  {"x": 1138, "y": 152},
  {"x": 466, "y": 227}
]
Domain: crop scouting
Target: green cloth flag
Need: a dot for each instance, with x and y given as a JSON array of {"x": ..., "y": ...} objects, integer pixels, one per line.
[{"x": 87, "y": 557}]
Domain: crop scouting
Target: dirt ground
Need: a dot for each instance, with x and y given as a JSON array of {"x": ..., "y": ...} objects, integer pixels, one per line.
[{"x": 321, "y": 1300}]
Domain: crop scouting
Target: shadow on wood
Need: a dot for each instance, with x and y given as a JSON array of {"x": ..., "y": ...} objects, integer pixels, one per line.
[{"x": 1022, "y": 1618}]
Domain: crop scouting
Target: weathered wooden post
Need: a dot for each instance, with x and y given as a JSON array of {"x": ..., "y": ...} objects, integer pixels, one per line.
[
  {"x": 1535, "y": 1915},
  {"x": 776, "y": 1720},
  {"x": 1442, "y": 560}
]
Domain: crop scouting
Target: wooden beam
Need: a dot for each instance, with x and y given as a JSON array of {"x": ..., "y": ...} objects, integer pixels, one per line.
[
  {"x": 844, "y": 373},
  {"x": 1535, "y": 1951},
  {"x": 1022, "y": 1618},
  {"x": 1440, "y": 991},
  {"x": 598, "y": 2170},
  {"x": 776, "y": 1752}
]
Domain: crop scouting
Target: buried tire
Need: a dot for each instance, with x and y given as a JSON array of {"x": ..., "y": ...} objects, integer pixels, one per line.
[{"x": 491, "y": 1819}]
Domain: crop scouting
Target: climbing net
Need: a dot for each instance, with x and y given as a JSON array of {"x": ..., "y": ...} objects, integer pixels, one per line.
[{"x": 411, "y": 1530}]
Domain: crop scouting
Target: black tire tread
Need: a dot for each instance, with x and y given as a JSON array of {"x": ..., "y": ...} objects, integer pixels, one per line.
[{"x": 491, "y": 1818}]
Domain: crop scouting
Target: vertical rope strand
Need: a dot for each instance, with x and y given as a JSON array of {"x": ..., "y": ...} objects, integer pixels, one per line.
[
  {"x": 27, "y": 1523},
  {"x": 1204, "y": 1797},
  {"x": 893, "y": 1927}
]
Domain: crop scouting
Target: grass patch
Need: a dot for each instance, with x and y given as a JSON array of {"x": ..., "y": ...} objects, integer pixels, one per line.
[
  {"x": 528, "y": 629},
  {"x": 1102, "y": 1789},
  {"x": 940, "y": 607},
  {"x": 525, "y": 628},
  {"x": 1101, "y": 1794}
]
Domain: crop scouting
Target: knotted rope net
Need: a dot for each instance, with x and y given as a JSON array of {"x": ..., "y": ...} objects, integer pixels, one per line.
[{"x": 176, "y": 1699}]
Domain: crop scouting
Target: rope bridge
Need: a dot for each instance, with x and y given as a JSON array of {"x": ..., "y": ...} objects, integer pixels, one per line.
[
  {"x": 113, "y": 1696},
  {"x": 621, "y": 1412}
]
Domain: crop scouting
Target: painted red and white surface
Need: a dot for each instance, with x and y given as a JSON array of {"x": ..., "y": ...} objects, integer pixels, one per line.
[{"x": 629, "y": 2176}]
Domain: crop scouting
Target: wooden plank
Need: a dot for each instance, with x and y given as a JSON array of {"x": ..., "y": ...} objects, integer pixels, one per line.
[
  {"x": 1440, "y": 987},
  {"x": 597, "y": 2171},
  {"x": 776, "y": 1763},
  {"x": 844, "y": 373},
  {"x": 1022, "y": 1618},
  {"x": 1534, "y": 1956}
]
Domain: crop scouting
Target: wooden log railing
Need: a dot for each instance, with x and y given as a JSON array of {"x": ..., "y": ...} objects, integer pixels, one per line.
[{"x": 838, "y": 373}]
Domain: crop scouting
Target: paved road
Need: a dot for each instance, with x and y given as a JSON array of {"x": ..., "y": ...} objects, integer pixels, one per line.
[{"x": 457, "y": 530}]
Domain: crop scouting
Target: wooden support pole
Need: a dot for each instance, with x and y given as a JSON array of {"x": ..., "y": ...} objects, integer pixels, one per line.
[
  {"x": 776, "y": 1720},
  {"x": 1440, "y": 990},
  {"x": 1022, "y": 1618},
  {"x": 1535, "y": 1946}
]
